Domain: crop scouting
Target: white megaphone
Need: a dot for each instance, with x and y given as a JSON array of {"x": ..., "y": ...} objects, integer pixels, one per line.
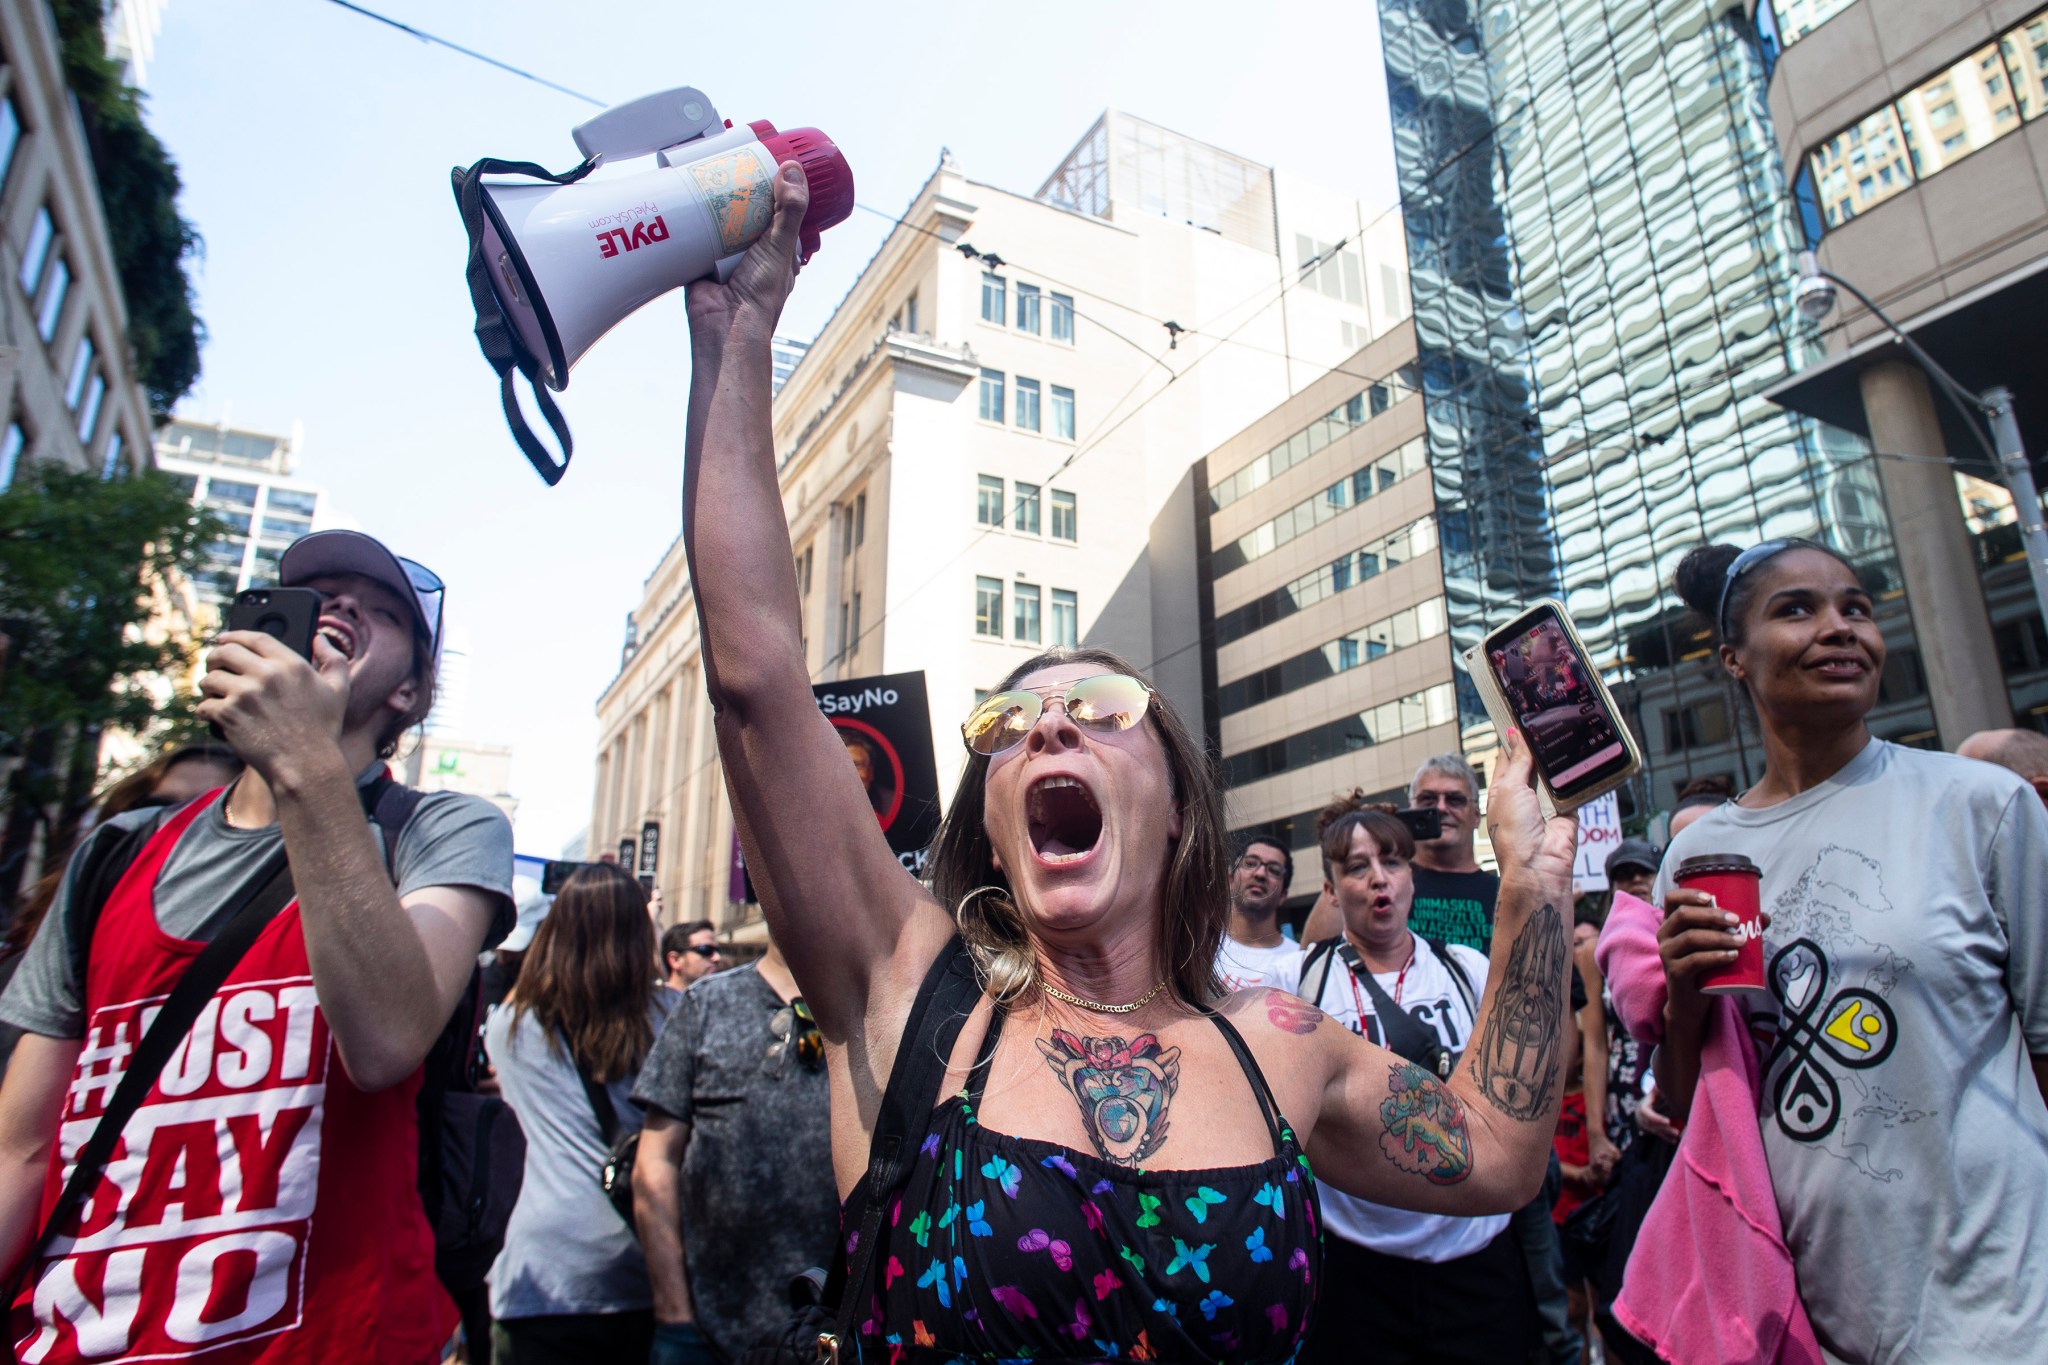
[{"x": 555, "y": 265}]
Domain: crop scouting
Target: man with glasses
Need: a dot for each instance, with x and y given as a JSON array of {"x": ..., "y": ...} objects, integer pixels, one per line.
[
  {"x": 1453, "y": 896},
  {"x": 1254, "y": 951},
  {"x": 732, "y": 1189},
  {"x": 689, "y": 952},
  {"x": 268, "y": 1199}
]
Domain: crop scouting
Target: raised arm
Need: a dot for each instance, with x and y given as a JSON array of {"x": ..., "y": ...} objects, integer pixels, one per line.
[
  {"x": 851, "y": 922},
  {"x": 1478, "y": 1143}
]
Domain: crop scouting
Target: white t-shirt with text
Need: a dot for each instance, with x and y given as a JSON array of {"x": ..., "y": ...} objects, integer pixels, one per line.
[{"x": 1241, "y": 966}]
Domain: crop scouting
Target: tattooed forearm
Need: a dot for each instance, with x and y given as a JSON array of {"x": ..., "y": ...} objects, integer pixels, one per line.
[
  {"x": 1124, "y": 1089},
  {"x": 1517, "y": 1060},
  {"x": 1425, "y": 1127}
]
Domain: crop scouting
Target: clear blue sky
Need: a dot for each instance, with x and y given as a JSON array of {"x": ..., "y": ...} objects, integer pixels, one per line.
[{"x": 315, "y": 147}]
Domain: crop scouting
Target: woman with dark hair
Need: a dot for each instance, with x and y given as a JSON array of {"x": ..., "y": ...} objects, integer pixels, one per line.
[
  {"x": 1906, "y": 958},
  {"x": 1111, "y": 1166},
  {"x": 1419, "y": 1287},
  {"x": 570, "y": 1284}
]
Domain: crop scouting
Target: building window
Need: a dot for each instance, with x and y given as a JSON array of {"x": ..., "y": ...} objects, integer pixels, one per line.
[
  {"x": 1027, "y": 403},
  {"x": 54, "y": 292},
  {"x": 853, "y": 638},
  {"x": 1063, "y": 413},
  {"x": 1024, "y": 624},
  {"x": 298, "y": 502},
  {"x": 1027, "y": 508},
  {"x": 1065, "y": 516},
  {"x": 988, "y": 501},
  {"x": 860, "y": 520},
  {"x": 1700, "y": 725},
  {"x": 12, "y": 445},
  {"x": 1062, "y": 319},
  {"x": 89, "y": 410},
  {"x": 35, "y": 253},
  {"x": 81, "y": 367},
  {"x": 112, "y": 465},
  {"x": 988, "y": 607},
  {"x": 10, "y": 137},
  {"x": 906, "y": 316},
  {"x": 1066, "y": 618},
  {"x": 1027, "y": 308},
  {"x": 845, "y": 630},
  {"x": 991, "y": 395},
  {"x": 994, "y": 302}
]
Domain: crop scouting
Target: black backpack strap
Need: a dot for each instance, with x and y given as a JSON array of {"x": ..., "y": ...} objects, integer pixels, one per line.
[
  {"x": 106, "y": 858},
  {"x": 494, "y": 334},
  {"x": 943, "y": 1003},
  {"x": 599, "y": 1096},
  {"x": 1458, "y": 976},
  {"x": 1322, "y": 955},
  {"x": 267, "y": 891}
]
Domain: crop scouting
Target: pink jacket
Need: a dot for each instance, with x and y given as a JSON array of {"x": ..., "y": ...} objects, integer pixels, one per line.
[{"x": 1710, "y": 1278}]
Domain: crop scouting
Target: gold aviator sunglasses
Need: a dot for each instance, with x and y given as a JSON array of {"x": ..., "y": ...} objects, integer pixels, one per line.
[{"x": 1104, "y": 703}]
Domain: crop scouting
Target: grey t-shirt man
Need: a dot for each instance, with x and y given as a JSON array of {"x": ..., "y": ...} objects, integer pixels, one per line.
[
  {"x": 451, "y": 840},
  {"x": 759, "y": 1204},
  {"x": 1907, "y": 960}
]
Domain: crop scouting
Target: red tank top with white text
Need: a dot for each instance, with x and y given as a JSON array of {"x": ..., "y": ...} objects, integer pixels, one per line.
[{"x": 259, "y": 1207}]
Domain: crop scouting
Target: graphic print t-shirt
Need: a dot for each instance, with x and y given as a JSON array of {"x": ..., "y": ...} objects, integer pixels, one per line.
[
  {"x": 1455, "y": 907},
  {"x": 1241, "y": 967},
  {"x": 1907, "y": 958},
  {"x": 1431, "y": 997}
]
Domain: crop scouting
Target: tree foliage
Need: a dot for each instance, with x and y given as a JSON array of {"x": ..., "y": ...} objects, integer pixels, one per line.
[
  {"x": 139, "y": 188},
  {"x": 77, "y": 557}
]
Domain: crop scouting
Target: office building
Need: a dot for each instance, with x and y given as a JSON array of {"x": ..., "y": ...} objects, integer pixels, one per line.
[
  {"x": 70, "y": 392},
  {"x": 1604, "y": 251},
  {"x": 988, "y": 449},
  {"x": 248, "y": 480},
  {"x": 445, "y": 763},
  {"x": 1914, "y": 133},
  {"x": 787, "y": 352},
  {"x": 1329, "y": 643}
]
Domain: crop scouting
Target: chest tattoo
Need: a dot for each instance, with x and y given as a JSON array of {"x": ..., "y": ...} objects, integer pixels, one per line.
[{"x": 1124, "y": 1089}]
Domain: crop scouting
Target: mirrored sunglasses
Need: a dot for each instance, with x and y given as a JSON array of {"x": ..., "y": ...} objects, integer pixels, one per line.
[{"x": 1104, "y": 703}]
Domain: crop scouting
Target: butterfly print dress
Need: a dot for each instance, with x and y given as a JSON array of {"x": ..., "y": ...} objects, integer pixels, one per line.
[{"x": 1008, "y": 1248}]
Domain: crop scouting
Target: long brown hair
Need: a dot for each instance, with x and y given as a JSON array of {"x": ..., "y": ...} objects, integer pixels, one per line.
[
  {"x": 589, "y": 973},
  {"x": 1194, "y": 904}
]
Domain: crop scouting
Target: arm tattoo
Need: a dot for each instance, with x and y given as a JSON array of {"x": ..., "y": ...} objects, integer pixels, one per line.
[
  {"x": 1425, "y": 1127},
  {"x": 1286, "y": 1013},
  {"x": 1124, "y": 1089},
  {"x": 1517, "y": 1060}
]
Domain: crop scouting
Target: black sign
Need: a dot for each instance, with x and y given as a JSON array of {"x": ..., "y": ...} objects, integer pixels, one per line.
[
  {"x": 886, "y": 725},
  {"x": 650, "y": 847},
  {"x": 626, "y": 854}
]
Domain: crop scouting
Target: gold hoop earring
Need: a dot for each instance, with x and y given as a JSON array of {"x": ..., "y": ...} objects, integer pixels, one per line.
[{"x": 960, "y": 912}]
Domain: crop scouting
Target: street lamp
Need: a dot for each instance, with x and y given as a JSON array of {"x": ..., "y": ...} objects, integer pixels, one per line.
[{"x": 1814, "y": 297}]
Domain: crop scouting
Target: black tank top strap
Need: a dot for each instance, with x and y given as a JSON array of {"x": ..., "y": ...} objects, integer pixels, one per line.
[
  {"x": 978, "y": 1078},
  {"x": 1271, "y": 1107}
]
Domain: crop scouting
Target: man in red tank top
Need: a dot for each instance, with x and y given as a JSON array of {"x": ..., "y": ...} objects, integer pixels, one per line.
[{"x": 261, "y": 1205}]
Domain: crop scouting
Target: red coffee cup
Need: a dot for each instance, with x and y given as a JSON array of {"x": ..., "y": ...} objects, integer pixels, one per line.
[{"x": 1736, "y": 885}]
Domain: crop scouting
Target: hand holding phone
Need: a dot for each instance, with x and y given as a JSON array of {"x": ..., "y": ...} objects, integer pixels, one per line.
[
  {"x": 287, "y": 614},
  {"x": 1536, "y": 677}
]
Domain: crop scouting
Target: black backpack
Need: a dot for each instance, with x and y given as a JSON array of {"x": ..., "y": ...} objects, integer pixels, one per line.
[
  {"x": 472, "y": 1154},
  {"x": 1400, "y": 1032}
]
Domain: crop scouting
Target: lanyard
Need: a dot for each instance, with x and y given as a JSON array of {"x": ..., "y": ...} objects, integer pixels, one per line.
[{"x": 1400, "y": 979}]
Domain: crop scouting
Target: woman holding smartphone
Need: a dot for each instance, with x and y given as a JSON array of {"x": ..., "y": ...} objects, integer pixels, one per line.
[
  {"x": 1112, "y": 1167},
  {"x": 1907, "y": 964}
]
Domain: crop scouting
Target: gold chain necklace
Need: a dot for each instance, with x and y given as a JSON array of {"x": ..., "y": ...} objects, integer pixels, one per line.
[{"x": 1098, "y": 1007}]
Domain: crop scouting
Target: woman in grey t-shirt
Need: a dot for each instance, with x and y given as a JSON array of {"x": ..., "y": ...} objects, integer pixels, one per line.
[
  {"x": 1907, "y": 963},
  {"x": 570, "y": 1283}
]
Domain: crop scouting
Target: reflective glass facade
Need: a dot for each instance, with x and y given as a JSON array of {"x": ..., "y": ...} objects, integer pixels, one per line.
[{"x": 1603, "y": 246}]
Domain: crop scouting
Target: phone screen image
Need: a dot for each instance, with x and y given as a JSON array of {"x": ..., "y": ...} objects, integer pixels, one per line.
[{"x": 1556, "y": 704}]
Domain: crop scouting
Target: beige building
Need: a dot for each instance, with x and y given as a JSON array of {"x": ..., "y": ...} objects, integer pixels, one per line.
[
  {"x": 65, "y": 378},
  {"x": 447, "y": 763},
  {"x": 992, "y": 445},
  {"x": 1329, "y": 646},
  {"x": 1915, "y": 129}
]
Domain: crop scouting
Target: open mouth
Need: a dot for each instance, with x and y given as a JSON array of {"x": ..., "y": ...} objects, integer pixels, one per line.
[
  {"x": 1841, "y": 666},
  {"x": 1065, "y": 821},
  {"x": 340, "y": 637}
]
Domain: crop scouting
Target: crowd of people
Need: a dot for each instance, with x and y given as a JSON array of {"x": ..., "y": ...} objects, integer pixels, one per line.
[{"x": 295, "y": 1079}]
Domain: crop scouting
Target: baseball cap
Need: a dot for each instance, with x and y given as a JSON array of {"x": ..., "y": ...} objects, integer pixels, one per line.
[
  {"x": 1634, "y": 853},
  {"x": 533, "y": 908},
  {"x": 332, "y": 552}
]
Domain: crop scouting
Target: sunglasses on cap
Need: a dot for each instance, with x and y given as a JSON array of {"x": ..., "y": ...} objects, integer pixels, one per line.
[
  {"x": 1104, "y": 703},
  {"x": 432, "y": 595}
]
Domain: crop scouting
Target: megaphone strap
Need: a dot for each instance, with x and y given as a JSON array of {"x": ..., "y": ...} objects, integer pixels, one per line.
[{"x": 494, "y": 335}]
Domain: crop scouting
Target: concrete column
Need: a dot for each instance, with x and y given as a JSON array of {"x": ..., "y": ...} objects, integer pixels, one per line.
[{"x": 1943, "y": 588}]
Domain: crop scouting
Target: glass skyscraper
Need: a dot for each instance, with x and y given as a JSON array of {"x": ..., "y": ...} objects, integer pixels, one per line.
[{"x": 1603, "y": 246}]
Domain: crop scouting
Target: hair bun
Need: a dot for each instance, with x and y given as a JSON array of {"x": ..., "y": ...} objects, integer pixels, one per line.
[{"x": 1701, "y": 575}]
